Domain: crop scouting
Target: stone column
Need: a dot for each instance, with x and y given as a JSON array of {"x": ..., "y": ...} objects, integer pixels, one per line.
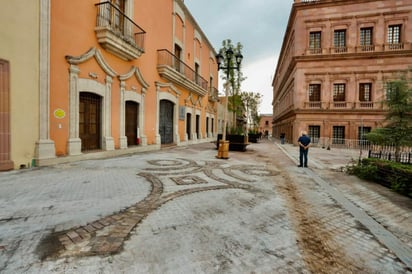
[
  {"x": 74, "y": 144},
  {"x": 122, "y": 138},
  {"x": 108, "y": 141},
  {"x": 44, "y": 148}
]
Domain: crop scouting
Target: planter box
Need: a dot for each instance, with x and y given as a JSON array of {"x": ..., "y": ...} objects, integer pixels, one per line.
[
  {"x": 236, "y": 142},
  {"x": 254, "y": 138}
]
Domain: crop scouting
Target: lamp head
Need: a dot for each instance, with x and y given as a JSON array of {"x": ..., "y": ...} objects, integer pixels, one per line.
[
  {"x": 239, "y": 58},
  {"x": 219, "y": 60},
  {"x": 229, "y": 54}
]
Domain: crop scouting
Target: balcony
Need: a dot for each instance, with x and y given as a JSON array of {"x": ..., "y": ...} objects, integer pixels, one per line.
[
  {"x": 343, "y": 105},
  {"x": 339, "y": 105},
  {"x": 213, "y": 94},
  {"x": 359, "y": 49},
  {"x": 173, "y": 69},
  {"x": 364, "y": 105},
  {"x": 365, "y": 48},
  {"x": 339, "y": 50},
  {"x": 314, "y": 51},
  {"x": 397, "y": 46},
  {"x": 313, "y": 105},
  {"x": 117, "y": 33}
]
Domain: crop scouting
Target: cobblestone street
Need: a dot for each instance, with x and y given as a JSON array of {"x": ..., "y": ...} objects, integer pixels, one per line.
[{"x": 182, "y": 210}]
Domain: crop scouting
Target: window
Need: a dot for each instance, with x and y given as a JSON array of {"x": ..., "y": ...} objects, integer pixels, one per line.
[
  {"x": 392, "y": 90},
  {"x": 178, "y": 54},
  {"x": 338, "y": 92},
  {"x": 315, "y": 42},
  {"x": 362, "y": 131},
  {"x": 197, "y": 73},
  {"x": 117, "y": 14},
  {"x": 394, "y": 34},
  {"x": 366, "y": 39},
  {"x": 314, "y": 92},
  {"x": 366, "y": 36},
  {"x": 266, "y": 123},
  {"x": 365, "y": 90},
  {"x": 339, "y": 40},
  {"x": 338, "y": 136},
  {"x": 314, "y": 133}
]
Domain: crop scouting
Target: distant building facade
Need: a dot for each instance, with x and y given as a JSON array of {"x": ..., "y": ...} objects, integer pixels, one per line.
[
  {"x": 335, "y": 64},
  {"x": 90, "y": 78},
  {"x": 265, "y": 125}
]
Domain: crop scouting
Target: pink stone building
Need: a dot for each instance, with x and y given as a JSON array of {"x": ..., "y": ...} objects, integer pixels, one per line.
[
  {"x": 335, "y": 67},
  {"x": 265, "y": 125}
]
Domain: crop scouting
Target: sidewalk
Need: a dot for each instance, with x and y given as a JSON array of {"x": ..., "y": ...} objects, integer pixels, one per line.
[
  {"x": 322, "y": 158},
  {"x": 181, "y": 210}
]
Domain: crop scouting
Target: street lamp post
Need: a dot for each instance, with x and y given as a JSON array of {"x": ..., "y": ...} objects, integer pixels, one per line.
[{"x": 223, "y": 150}]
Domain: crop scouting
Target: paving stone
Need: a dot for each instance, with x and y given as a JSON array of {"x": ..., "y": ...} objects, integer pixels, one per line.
[{"x": 254, "y": 213}]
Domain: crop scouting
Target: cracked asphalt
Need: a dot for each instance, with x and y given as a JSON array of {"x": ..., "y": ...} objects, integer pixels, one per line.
[{"x": 182, "y": 210}]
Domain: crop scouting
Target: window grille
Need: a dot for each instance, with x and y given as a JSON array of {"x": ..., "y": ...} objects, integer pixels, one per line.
[
  {"x": 366, "y": 36},
  {"x": 338, "y": 136},
  {"x": 314, "y": 133},
  {"x": 315, "y": 40},
  {"x": 365, "y": 90},
  {"x": 314, "y": 92},
  {"x": 394, "y": 34},
  {"x": 339, "y": 39},
  {"x": 339, "y": 92}
]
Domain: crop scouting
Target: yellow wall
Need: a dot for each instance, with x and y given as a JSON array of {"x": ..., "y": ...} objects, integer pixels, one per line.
[{"x": 19, "y": 34}]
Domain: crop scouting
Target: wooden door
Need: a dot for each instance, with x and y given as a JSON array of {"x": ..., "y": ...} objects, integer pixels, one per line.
[
  {"x": 166, "y": 121},
  {"x": 5, "y": 135},
  {"x": 90, "y": 121},
  {"x": 189, "y": 126},
  {"x": 131, "y": 122}
]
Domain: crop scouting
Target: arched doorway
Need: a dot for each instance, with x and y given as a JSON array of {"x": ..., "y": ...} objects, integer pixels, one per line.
[
  {"x": 132, "y": 110},
  {"x": 166, "y": 121},
  {"x": 90, "y": 120}
]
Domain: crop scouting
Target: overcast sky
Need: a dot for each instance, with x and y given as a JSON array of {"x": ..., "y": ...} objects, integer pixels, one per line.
[{"x": 259, "y": 25}]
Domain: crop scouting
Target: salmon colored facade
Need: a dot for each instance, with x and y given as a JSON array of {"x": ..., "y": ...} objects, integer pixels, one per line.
[
  {"x": 265, "y": 124},
  {"x": 122, "y": 76},
  {"x": 336, "y": 61}
]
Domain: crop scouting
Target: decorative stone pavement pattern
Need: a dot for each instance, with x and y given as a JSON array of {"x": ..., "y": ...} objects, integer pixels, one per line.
[{"x": 107, "y": 235}]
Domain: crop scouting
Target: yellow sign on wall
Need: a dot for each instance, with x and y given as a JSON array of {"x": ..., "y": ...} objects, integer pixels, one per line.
[{"x": 59, "y": 113}]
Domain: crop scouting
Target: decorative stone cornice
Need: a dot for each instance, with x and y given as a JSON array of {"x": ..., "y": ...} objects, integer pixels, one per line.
[
  {"x": 136, "y": 72},
  {"x": 169, "y": 86},
  {"x": 92, "y": 52}
]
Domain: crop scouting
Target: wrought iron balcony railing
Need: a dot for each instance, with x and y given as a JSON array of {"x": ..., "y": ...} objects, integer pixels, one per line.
[
  {"x": 117, "y": 32},
  {"x": 169, "y": 65}
]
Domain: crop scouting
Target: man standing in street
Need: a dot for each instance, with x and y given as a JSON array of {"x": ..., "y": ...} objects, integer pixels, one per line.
[{"x": 304, "y": 143}]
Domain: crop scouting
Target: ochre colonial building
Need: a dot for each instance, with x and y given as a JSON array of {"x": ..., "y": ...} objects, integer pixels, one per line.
[
  {"x": 336, "y": 61},
  {"x": 87, "y": 79}
]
